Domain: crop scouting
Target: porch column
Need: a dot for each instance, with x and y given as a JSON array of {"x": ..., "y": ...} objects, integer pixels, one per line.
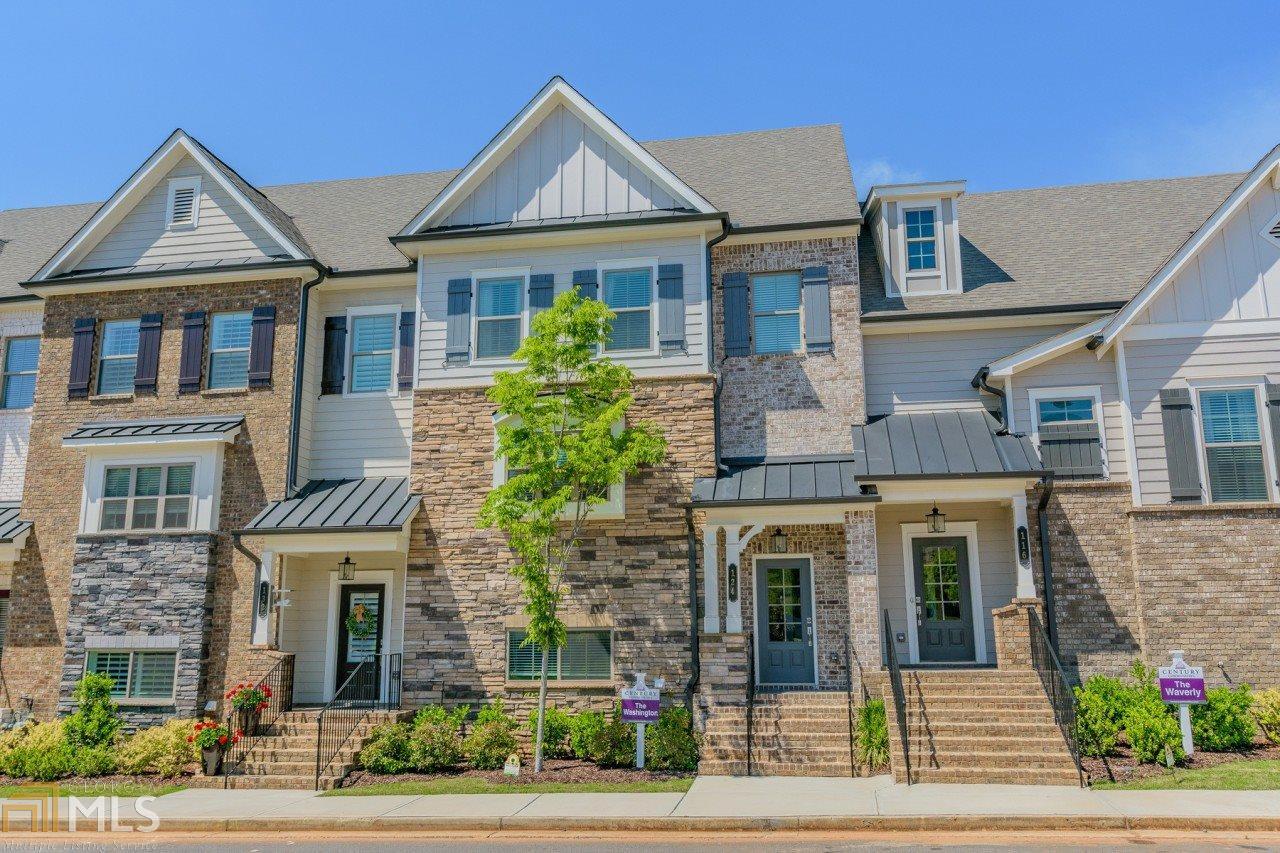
[
  {"x": 710, "y": 580},
  {"x": 1022, "y": 548},
  {"x": 862, "y": 565},
  {"x": 735, "y": 541},
  {"x": 262, "y": 599}
]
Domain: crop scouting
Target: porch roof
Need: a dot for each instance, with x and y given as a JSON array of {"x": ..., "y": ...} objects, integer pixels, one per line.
[
  {"x": 791, "y": 480},
  {"x": 11, "y": 526},
  {"x": 340, "y": 506}
]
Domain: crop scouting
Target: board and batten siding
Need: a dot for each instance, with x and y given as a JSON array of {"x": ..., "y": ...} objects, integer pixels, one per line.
[
  {"x": 1153, "y": 365},
  {"x": 352, "y": 435},
  {"x": 561, "y": 168},
  {"x": 15, "y": 424},
  {"x": 927, "y": 371},
  {"x": 995, "y": 560},
  {"x": 560, "y": 261},
  {"x": 224, "y": 230}
]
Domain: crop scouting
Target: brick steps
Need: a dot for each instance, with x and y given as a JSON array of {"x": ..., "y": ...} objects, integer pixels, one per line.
[
  {"x": 992, "y": 776},
  {"x": 793, "y": 734}
]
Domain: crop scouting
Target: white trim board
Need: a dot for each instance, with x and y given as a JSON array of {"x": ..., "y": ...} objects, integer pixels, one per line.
[
  {"x": 969, "y": 531},
  {"x": 1045, "y": 350},
  {"x": 755, "y": 606}
]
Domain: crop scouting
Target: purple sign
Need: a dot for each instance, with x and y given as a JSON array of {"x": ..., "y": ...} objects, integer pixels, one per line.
[
  {"x": 1189, "y": 690},
  {"x": 640, "y": 710}
]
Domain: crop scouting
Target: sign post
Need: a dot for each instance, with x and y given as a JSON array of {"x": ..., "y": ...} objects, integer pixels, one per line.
[
  {"x": 640, "y": 705},
  {"x": 1184, "y": 686}
]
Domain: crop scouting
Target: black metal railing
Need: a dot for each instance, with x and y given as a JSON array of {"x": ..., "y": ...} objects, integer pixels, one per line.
[
  {"x": 848, "y": 701},
  {"x": 1057, "y": 687},
  {"x": 751, "y": 698},
  {"x": 254, "y": 724},
  {"x": 899, "y": 694},
  {"x": 374, "y": 685}
]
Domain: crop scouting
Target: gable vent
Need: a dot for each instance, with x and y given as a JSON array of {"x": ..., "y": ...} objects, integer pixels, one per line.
[{"x": 183, "y": 209}]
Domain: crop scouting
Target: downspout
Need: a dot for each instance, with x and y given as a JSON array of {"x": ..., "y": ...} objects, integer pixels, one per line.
[
  {"x": 980, "y": 381},
  {"x": 695, "y": 658},
  {"x": 257, "y": 561},
  {"x": 1046, "y": 559},
  {"x": 291, "y": 468},
  {"x": 711, "y": 348}
]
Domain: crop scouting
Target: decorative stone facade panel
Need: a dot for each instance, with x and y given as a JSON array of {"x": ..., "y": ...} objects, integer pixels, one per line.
[{"x": 793, "y": 404}]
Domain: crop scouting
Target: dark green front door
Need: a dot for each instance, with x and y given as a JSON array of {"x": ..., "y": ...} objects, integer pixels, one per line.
[
  {"x": 784, "y": 616},
  {"x": 944, "y": 611}
]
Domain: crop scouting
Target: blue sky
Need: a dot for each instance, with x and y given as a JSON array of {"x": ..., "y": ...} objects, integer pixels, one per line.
[{"x": 1003, "y": 95}]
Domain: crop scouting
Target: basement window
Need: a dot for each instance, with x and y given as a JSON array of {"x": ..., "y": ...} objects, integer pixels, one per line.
[
  {"x": 585, "y": 656},
  {"x": 136, "y": 675},
  {"x": 182, "y": 210}
]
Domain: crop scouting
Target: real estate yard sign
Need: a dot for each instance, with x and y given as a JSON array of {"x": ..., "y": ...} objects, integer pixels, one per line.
[
  {"x": 1184, "y": 686},
  {"x": 640, "y": 705}
]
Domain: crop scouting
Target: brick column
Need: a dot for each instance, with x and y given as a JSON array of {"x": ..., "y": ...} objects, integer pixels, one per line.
[
  {"x": 1012, "y": 625},
  {"x": 861, "y": 567}
]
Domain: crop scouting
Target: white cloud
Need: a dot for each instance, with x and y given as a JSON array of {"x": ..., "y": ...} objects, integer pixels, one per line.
[{"x": 868, "y": 173}]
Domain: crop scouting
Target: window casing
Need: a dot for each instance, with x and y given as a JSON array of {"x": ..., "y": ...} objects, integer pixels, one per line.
[
  {"x": 371, "y": 363},
  {"x": 629, "y": 294},
  {"x": 775, "y": 312},
  {"x": 229, "y": 337},
  {"x": 21, "y": 358},
  {"x": 118, "y": 361},
  {"x": 144, "y": 675},
  {"x": 613, "y": 507},
  {"x": 147, "y": 497},
  {"x": 587, "y": 655},
  {"x": 499, "y": 316},
  {"x": 1233, "y": 448},
  {"x": 921, "y": 239},
  {"x": 1064, "y": 410}
]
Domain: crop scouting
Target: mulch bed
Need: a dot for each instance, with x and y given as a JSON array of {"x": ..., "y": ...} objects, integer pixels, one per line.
[
  {"x": 1125, "y": 768},
  {"x": 103, "y": 782},
  {"x": 553, "y": 770}
]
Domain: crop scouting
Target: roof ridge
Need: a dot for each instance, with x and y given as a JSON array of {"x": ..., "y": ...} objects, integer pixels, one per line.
[
  {"x": 1126, "y": 182},
  {"x": 762, "y": 130}
]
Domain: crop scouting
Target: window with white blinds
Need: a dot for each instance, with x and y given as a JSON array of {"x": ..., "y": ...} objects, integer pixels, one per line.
[
  {"x": 629, "y": 294},
  {"x": 229, "y": 337},
  {"x": 136, "y": 675},
  {"x": 1234, "y": 459},
  {"x": 499, "y": 316},
  {"x": 775, "y": 312},
  {"x": 587, "y": 655}
]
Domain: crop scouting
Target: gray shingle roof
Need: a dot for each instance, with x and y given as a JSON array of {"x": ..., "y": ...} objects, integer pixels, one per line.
[
  {"x": 187, "y": 428},
  {"x": 1036, "y": 248},
  {"x": 11, "y": 526},
  {"x": 338, "y": 506}
]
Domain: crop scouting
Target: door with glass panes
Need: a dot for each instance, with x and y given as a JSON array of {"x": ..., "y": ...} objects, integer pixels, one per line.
[
  {"x": 784, "y": 614},
  {"x": 944, "y": 612},
  {"x": 360, "y": 614}
]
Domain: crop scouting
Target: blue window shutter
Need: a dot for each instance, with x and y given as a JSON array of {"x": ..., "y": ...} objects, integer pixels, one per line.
[
  {"x": 457, "y": 345},
  {"x": 1072, "y": 450},
  {"x": 542, "y": 292},
  {"x": 405, "y": 367},
  {"x": 1178, "y": 419},
  {"x": 262, "y": 346},
  {"x": 816, "y": 299},
  {"x": 671, "y": 308},
  {"x": 585, "y": 283},
  {"x": 737, "y": 316},
  {"x": 144, "y": 379},
  {"x": 1273, "y": 417}
]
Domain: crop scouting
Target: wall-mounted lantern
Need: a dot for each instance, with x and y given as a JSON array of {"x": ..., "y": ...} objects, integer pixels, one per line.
[
  {"x": 346, "y": 569},
  {"x": 733, "y": 581},
  {"x": 937, "y": 521},
  {"x": 778, "y": 541}
]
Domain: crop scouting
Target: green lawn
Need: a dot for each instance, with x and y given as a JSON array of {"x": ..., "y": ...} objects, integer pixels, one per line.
[
  {"x": 1236, "y": 776},
  {"x": 90, "y": 789},
  {"x": 473, "y": 785}
]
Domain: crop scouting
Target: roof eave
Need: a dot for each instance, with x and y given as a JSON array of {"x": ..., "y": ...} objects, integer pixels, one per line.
[{"x": 161, "y": 278}]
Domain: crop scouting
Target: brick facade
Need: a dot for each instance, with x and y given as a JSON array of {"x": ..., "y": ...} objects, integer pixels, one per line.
[
  {"x": 253, "y": 472},
  {"x": 793, "y": 404}
]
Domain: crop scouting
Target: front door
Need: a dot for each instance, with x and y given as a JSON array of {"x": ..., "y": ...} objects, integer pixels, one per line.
[
  {"x": 784, "y": 614},
  {"x": 944, "y": 612},
  {"x": 359, "y": 639}
]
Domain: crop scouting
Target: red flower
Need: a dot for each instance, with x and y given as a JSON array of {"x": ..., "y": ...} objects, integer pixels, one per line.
[
  {"x": 191, "y": 738},
  {"x": 236, "y": 739},
  {"x": 239, "y": 733},
  {"x": 222, "y": 740},
  {"x": 266, "y": 691},
  {"x": 262, "y": 706}
]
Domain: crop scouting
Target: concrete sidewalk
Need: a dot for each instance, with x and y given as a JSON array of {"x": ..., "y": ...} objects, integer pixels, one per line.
[{"x": 717, "y": 804}]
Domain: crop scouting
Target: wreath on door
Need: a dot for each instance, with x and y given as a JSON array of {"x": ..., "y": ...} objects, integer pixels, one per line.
[{"x": 359, "y": 625}]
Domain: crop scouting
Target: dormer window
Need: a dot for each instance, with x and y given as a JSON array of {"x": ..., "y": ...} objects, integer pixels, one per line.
[
  {"x": 182, "y": 211},
  {"x": 922, "y": 241},
  {"x": 916, "y": 228}
]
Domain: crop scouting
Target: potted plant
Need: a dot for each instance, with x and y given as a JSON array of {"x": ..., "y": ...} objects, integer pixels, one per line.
[
  {"x": 249, "y": 702},
  {"x": 213, "y": 740}
]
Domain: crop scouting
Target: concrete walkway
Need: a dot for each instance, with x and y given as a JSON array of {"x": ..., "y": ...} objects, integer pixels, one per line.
[{"x": 717, "y": 803}]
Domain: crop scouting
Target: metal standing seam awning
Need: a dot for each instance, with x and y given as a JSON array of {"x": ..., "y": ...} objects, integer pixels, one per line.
[
  {"x": 159, "y": 430},
  {"x": 359, "y": 505}
]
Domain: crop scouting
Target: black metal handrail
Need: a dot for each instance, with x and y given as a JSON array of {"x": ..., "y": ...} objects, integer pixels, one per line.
[
  {"x": 848, "y": 702},
  {"x": 253, "y": 725},
  {"x": 899, "y": 695},
  {"x": 751, "y": 697},
  {"x": 374, "y": 685},
  {"x": 1057, "y": 687}
]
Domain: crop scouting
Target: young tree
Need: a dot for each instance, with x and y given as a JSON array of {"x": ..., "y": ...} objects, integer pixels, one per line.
[{"x": 561, "y": 432}]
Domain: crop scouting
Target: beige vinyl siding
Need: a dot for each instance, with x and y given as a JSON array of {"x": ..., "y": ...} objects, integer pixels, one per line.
[
  {"x": 995, "y": 560},
  {"x": 224, "y": 229},
  {"x": 1153, "y": 365},
  {"x": 561, "y": 168},
  {"x": 561, "y": 262},
  {"x": 1076, "y": 368},
  {"x": 921, "y": 371}
]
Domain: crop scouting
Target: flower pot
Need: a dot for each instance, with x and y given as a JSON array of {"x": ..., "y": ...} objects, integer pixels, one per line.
[
  {"x": 212, "y": 760},
  {"x": 247, "y": 721}
]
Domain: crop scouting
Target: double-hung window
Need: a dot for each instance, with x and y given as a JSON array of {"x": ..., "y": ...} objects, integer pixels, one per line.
[
  {"x": 118, "y": 363},
  {"x": 499, "y": 316},
  {"x": 922, "y": 241},
  {"x": 21, "y": 356},
  {"x": 587, "y": 655},
  {"x": 136, "y": 675},
  {"x": 1234, "y": 459},
  {"x": 629, "y": 294},
  {"x": 775, "y": 312},
  {"x": 146, "y": 497},
  {"x": 373, "y": 341},
  {"x": 229, "y": 350}
]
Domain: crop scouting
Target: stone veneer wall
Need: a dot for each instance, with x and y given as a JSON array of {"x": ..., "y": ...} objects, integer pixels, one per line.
[
  {"x": 793, "y": 404},
  {"x": 253, "y": 473},
  {"x": 146, "y": 588},
  {"x": 632, "y": 575}
]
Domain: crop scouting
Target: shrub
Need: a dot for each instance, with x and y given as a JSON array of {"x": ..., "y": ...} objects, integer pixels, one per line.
[
  {"x": 160, "y": 749},
  {"x": 582, "y": 728},
  {"x": 495, "y": 712},
  {"x": 489, "y": 744},
  {"x": 42, "y": 753},
  {"x": 1266, "y": 711},
  {"x": 1223, "y": 723},
  {"x": 555, "y": 731},
  {"x": 614, "y": 743},
  {"x": 871, "y": 733},
  {"x": 670, "y": 744},
  {"x": 1150, "y": 729},
  {"x": 436, "y": 739},
  {"x": 1096, "y": 724},
  {"x": 388, "y": 749},
  {"x": 1109, "y": 696},
  {"x": 1145, "y": 687},
  {"x": 95, "y": 722}
]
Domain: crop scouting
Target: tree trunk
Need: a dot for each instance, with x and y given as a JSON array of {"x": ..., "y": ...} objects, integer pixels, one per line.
[{"x": 542, "y": 712}]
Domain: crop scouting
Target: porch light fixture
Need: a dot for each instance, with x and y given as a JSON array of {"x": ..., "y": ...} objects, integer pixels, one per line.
[
  {"x": 937, "y": 521},
  {"x": 778, "y": 541},
  {"x": 347, "y": 569}
]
